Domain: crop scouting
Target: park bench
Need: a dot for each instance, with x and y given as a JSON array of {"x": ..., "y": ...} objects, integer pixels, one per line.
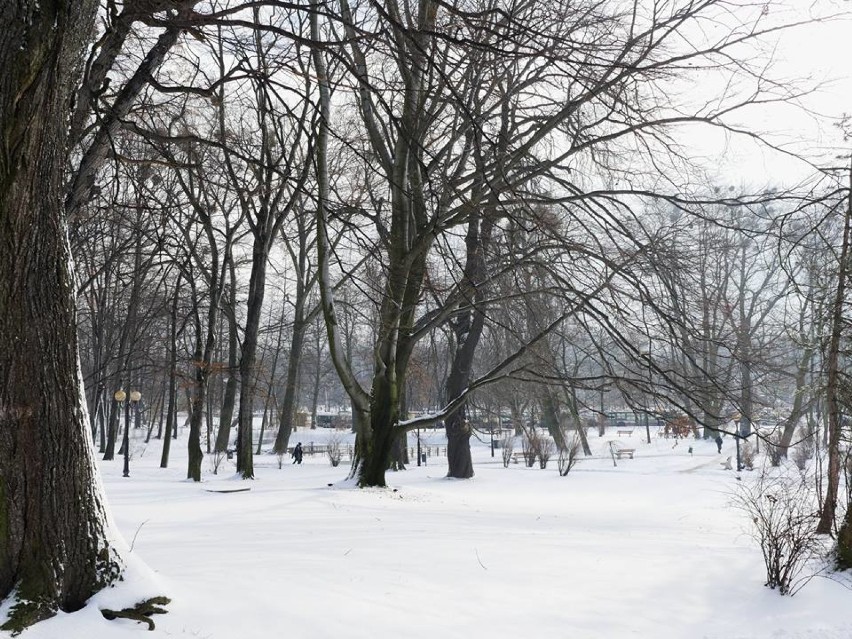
[
  {"x": 625, "y": 431},
  {"x": 429, "y": 451},
  {"x": 519, "y": 456},
  {"x": 311, "y": 449},
  {"x": 620, "y": 452}
]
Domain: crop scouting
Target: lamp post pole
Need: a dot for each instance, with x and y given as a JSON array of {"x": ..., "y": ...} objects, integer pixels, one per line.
[
  {"x": 135, "y": 396},
  {"x": 120, "y": 396},
  {"x": 650, "y": 392},
  {"x": 126, "y": 443}
]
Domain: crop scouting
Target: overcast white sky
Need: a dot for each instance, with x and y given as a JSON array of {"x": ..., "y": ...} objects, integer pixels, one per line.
[{"x": 819, "y": 54}]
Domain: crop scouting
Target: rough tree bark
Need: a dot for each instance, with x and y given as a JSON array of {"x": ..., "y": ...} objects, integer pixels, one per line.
[
  {"x": 832, "y": 385},
  {"x": 468, "y": 327},
  {"x": 304, "y": 282},
  {"x": 171, "y": 415},
  {"x": 288, "y": 405},
  {"x": 226, "y": 414},
  {"x": 55, "y": 549}
]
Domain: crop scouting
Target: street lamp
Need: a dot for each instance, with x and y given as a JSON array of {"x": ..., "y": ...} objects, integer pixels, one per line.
[
  {"x": 119, "y": 397},
  {"x": 135, "y": 397},
  {"x": 737, "y": 436}
]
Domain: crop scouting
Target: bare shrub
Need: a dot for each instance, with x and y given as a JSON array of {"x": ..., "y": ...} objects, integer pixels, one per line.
[
  {"x": 774, "y": 450},
  {"x": 783, "y": 514},
  {"x": 569, "y": 456},
  {"x": 802, "y": 455},
  {"x": 529, "y": 447},
  {"x": 507, "y": 445},
  {"x": 805, "y": 449},
  {"x": 334, "y": 449},
  {"x": 747, "y": 455},
  {"x": 218, "y": 457},
  {"x": 544, "y": 451}
]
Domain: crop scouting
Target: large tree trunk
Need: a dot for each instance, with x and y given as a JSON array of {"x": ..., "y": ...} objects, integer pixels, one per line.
[
  {"x": 55, "y": 551},
  {"x": 123, "y": 361},
  {"x": 832, "y": 385},
  {"x": 797, "y": 411},
  {"x": 315, "y": 394},
  {"x": 112, "y": 429},
  {"x": 399, "y": 449},
  {"x": 288, "y": 405},
  {"x": 226, "y": 414},
  {"x": 171, "y": 414},
  {"x": 248, "y": 375},
  {"x": 456, "y": 425},
  {"x": 193, "y": 441},
  {"x": 571, "y": 402},
  {"x": 459, "y": 461},
  {"x": 201, "y": 359},
  {"x": 844, "y": 541},
  {"x": 744, "y": 352},
  {"x": 550, "y": 418},
  {"x": 468, "y": 328},
  {"x": 98, "y": 427},
  {"x": 374, "y": 448}
]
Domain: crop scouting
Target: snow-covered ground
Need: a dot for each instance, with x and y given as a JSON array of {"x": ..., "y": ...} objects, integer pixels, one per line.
[{"x": 647, "y": 549}]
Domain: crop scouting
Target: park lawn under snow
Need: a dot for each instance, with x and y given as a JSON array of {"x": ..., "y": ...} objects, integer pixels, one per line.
[{"x": 650, "y": 548}]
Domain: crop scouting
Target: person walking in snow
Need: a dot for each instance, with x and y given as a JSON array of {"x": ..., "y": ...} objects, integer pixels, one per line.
[
  {"x": 718, "y": 441},
  {"x": 297, "y": 454}
]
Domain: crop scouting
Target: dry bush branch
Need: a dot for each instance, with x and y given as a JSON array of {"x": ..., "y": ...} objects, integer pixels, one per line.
[
  {"x": 507, "y": 445},
  {"x": 568, "y": 458},
  {"x": 783, "y": 513}
]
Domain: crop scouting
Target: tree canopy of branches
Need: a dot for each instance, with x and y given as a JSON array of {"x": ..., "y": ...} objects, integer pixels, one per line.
[
  {"x": 475, "y": 115},
  {"x": 440, "y": 196}
]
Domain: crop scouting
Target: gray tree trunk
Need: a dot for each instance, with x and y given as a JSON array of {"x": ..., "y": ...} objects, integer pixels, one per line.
[
  {"x": 288, "y": 405},
  {"x": 54, "y": 552},
  {"x": 833, "y": 382},
  {"x": 226, "y": 415},
  {"x": 171, "y": 414}
]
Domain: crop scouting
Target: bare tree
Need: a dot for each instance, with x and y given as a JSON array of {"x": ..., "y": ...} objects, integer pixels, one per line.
[
  {"x": 833, "y": 381},
  {"x": 448, "y": 168}
]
